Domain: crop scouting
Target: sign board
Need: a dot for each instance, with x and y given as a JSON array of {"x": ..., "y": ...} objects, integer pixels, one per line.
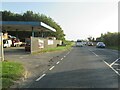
[
  {"x": 40, "y": 43},
  {"x": 50, "y": 42}
]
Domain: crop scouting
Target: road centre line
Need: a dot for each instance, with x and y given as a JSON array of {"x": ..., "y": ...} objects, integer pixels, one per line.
[
  {"x": 95, "y": 54},
  {"x": 20, "y": 57},
  {"x": 64, "y": 56},
  {"x": 114, "y": 62},
  {"x": 89, "y": 50},
  {"x": 111, "y": 68},
  {"x": 51, "y": 67},
  {"x": 67, "y": 53},
  {"x": 40, "y": 77},
  {"x": 61, "y": 58},
  {"x": 58, "y": 62}
]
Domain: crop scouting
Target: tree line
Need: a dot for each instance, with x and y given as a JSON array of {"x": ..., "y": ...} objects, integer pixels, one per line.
[
  {"x": 110, "y": 39},
  {"x": 30, "y": 16}
]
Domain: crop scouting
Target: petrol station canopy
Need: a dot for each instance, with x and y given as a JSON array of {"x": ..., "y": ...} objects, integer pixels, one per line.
[{"x": 25, "y": 26}]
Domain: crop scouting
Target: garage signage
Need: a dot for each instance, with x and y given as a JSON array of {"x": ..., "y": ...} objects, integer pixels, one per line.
[
  {"x": 40, "y": 43},
  {"x": 50, "y": 42}
]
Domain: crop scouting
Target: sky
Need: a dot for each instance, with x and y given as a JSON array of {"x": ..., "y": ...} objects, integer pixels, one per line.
[{"x": 79, "y": 19}]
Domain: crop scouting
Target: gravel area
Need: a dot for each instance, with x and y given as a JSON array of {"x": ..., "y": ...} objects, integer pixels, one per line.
[{"x": 35, "y": 64}]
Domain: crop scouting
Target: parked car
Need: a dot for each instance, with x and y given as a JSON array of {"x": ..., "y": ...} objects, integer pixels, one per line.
[
  {"x": 16, "y": 42},
  {"x": 90, "y": 43},
  {"x": 7, "y": 43},
  {"x": 100, "y": 45}
]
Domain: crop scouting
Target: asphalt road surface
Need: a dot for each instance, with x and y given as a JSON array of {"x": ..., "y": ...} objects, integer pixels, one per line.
[{"x": 82, "y": 67}]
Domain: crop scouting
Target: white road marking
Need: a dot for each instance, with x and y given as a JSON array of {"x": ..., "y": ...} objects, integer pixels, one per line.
[
  {"x": 61, "y": 58},
  {"x": 67, "y": 53},
  {"x": 95, "y": 54},
  {"x": 40, "y": 77},
  {"x": 64, "y": 56},
  {"x": 21, "y": 57},
  {"x": 58, "y": 62},
  {"x": 51, "y": 67},
  {"x": 89, "y": 50},
  {"x": 118, "y": 69},
  {"x": 114, "y": 62},
  {"x": 111, "y": 68}
]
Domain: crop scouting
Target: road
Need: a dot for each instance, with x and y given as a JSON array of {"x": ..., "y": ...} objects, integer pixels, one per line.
[{"x": 82, "y": 67}]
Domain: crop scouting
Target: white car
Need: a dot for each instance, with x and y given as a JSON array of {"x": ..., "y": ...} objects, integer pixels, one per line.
[
  {"x": 7, "y": 43},
  {"x": 90, "y": 43},
  {"x": 79, "y": 43}
]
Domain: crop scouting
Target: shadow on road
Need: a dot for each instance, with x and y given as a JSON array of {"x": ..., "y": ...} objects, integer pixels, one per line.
[{"x": 83, "y": 78}]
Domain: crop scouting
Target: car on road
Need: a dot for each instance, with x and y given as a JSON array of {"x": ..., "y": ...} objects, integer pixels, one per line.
[
  {"x": 79, "y": 43},
  {"x": 100, "y": 45},
  {"x": 90, "y": 43}
]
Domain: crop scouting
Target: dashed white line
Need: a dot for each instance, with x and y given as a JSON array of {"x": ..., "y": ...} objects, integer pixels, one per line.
[
  {"x": 61, "y": 58},
  {"x": 51, "y": 67},
  {"x": 111, "y": 68},
  {"x": 95, "y": 54},
  {"x": 21, "y": 57},
  {"x": 40, "y": 77},
  {"x": 64, "y": 56},
  {"x": 58, "y": 62},
  {"x": 68, "y": 53},
  {"x": 90, "y": 50}
]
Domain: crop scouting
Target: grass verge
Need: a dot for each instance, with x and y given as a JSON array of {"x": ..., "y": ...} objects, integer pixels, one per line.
[
  {"x": 56, "y": 49},
  {"x": 11, "y": 71},
  {"x": 59, "y": 48},
  {"x": 114, "y": 47}
]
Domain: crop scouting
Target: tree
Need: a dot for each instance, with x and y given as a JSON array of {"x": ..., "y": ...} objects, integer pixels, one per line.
[{"x": 30, "y": 16}]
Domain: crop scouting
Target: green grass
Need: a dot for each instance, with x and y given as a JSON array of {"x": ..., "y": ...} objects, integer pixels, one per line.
[
  {"x": 56, "y": 48},
  {"x": 11, "y": 71},
  {"x": 59, "y": 48},
  {"x": 114, "y": 47}
]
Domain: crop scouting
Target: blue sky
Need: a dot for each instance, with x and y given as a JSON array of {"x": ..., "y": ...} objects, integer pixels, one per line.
[{"x": 79, "y": 20}]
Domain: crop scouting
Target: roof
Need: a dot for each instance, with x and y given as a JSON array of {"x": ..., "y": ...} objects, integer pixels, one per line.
[{"x": 25, "y": 26}]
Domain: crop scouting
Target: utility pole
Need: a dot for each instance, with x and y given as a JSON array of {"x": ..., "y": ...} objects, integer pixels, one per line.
[{"x": 1, "y": 47}]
